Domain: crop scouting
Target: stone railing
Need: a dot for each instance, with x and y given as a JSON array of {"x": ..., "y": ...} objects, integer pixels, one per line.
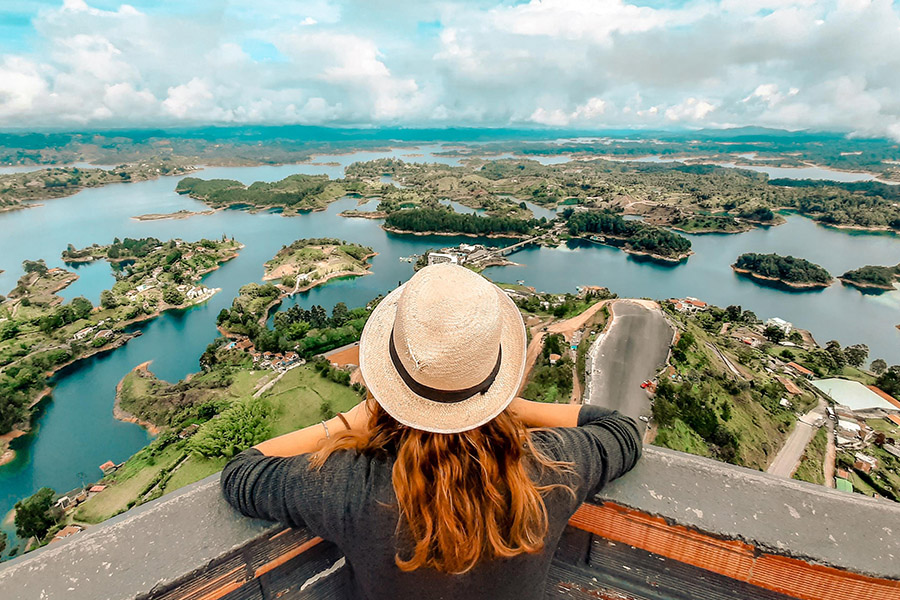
[{"x": 679, "y": 520}]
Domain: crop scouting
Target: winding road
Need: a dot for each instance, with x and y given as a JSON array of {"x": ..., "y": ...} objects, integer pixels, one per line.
[{"x": 631, "y": 350}]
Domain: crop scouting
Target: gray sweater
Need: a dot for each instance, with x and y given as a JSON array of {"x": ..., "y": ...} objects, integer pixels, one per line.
[{"x": 350, "y": 501}]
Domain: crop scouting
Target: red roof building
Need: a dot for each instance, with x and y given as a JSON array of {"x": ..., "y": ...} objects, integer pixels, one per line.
[
  {"x": 800, "y": 369},
  {"x": 893, "y": 419}
]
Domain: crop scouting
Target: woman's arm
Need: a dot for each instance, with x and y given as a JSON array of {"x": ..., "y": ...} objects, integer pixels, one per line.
[
  {"x": 541, "y": 414},
  {"x": 310, "y": 438}
]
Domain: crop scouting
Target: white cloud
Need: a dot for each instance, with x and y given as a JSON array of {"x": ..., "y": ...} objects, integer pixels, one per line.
[
  {"x": 557, "y": 63},
  {"x": 690, "y": 109}
]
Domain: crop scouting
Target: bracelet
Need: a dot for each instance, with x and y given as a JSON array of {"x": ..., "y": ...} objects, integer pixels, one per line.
[
  {"x": 327, "y": 434},
  {"x": 344, "y": 421}
]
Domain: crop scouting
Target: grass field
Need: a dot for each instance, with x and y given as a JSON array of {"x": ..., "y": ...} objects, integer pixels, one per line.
[
  {"x": 127, "y": 484},
  {"x": 297, "y": 399},
  {"x": 811, "y": 467},
  {"x": 301, "y": 395}
]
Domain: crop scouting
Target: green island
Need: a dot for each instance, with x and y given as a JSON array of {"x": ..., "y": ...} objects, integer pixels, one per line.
[
  {"x": 18, "y": 189},
  {"x": 307, "y": 263},
  {"x": 797, "y": 273},
  {"x": 292, "y": 194},
  {"x": 872, "y": 277},
  {"x": 634, "y": 237},
  {"x": 39, "y": 334},
  {"x": 442, "y": 221}
]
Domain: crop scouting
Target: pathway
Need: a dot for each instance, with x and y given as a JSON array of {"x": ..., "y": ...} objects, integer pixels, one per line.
[
  {"x": 829, "y": 457},
  {"x": 633, "y": 348},
  {"x": 788, "y": 458}
]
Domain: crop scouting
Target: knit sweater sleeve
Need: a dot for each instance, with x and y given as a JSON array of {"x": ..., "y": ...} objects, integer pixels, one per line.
[
  {"x": 604, "y": 446},
  {"x": 283, "y": 489}
]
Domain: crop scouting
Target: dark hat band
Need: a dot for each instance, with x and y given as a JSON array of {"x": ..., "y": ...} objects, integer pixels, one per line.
[{"x": 437, "y": 395}]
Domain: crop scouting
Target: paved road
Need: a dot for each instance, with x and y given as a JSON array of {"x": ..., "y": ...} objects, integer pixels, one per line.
[
  {"x": 788, "y": 458},
  {"x": 633, "y": 349}
]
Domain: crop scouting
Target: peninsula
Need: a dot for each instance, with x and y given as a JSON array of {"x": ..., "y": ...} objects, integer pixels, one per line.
[
  {"x": 635, "y": 237},
  {"x": 307, "y": 263},
  {"x": 39, "y": 334},
  {"x": 292, "y": 194},
  {"x": 19, "y": 189},
  {"x": 793, "y": 272},
  {"x": 872, "y": 277}
]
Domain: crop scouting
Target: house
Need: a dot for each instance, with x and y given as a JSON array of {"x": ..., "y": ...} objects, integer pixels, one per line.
[
  {"x": 554, "y": 358},
  {"x": 893, "y": 419},
  {"x": 785, "y": 403},
  {"x": 892, "y": 449},
  {"x": 83, "y": 333},
  {"x": 789, "y": 385},
  {"x": 66, "y": 532},
  {"x": 864, "y": 462},
  {"x": 108, "y": 467},
  {"x": 801, "y": 370},
  {"x": 63, "y": 502},
  {"x": 849, "y": 428},
  {"x": 244, "y": 344},
  {"x": 843, "y": 474},
  {"x": 696, "y": 304},
  {"x": 781, "y": 324},
  {"x": 104, "y": 334},
  {"x": 188, "y": 431},
  {"x": 96, "y": 489}
]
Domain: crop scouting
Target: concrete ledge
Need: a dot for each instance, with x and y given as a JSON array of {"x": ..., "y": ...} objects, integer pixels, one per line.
[
  {"x": 776, "y": 515},
  {"x": 150, "y": 549}
]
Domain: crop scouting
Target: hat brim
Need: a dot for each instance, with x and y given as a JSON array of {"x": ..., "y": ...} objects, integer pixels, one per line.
[{"x": 412, "y": 410}]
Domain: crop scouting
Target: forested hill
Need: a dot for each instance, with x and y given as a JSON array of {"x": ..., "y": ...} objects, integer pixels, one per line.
[
  {"x": 293, "y": 193},
  {"x": 787, "y": 269},
  {"x": 872, "y": 276},
  {"x": 444, "y": 221},
  {"x": 638, "y": 236}
]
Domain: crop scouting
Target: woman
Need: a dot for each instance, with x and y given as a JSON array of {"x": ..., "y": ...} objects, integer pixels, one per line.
[{"x": 434, "y": 488}]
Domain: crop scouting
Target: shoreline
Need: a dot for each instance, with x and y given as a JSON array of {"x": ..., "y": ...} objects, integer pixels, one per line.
[
  {"x": 121, "y": 414},
  {"x": 451, "y": 234},
  {"x": 674, "y": 260},
  {"x": 178, "y": 214},
  {"x": 866, "y": 286},
  {"x": 799, "y": 286}
]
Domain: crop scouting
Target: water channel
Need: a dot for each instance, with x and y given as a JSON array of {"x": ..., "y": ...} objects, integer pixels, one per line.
[{"x": 75, "y": 432}]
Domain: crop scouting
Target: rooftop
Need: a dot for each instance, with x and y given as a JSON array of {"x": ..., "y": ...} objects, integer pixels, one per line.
[
  {"x": 678, "y": 526},
  {"x": 853, "y": 394}
]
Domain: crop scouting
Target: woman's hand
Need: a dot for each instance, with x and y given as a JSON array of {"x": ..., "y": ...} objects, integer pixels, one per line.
[{"x": 541, "y": 414}]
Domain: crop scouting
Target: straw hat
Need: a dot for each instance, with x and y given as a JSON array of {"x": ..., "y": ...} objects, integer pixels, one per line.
[{"x": 444, "y": 352}]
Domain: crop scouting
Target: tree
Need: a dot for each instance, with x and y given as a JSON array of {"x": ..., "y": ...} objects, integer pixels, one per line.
[
  {"x": 878, "y": 365},
  {"x": 795, "y": 337},
  {"x": 733, "y": 313},
  {"x": 242, "y": 425},
  {"x": 774, "y": 334},
  {"x": 34, "y": 515},
  {"x": 889, "y": 381},
  {"x": 171, "y": 295},
  {"x": 340, "y": 314},
  {"x": 833, "y": 347},
  {"x": 81, "y": 307},
  {"x": 856, "y": 354},
  {"x": 108, "y": 299},
  {"x": 35, "y": 266}
]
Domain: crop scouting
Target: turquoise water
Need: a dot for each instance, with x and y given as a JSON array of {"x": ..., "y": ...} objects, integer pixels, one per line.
[{"x": 75, "y": 431}]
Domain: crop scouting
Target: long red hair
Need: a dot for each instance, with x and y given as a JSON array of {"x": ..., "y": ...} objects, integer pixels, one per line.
[{"x": 464, "y": 497}]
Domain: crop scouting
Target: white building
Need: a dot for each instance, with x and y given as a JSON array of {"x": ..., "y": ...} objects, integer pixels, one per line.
[
  {"x": 437, "y": 258},
  {"x": 780, "y": 324}
]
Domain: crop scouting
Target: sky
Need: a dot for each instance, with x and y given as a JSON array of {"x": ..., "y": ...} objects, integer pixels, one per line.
[{"x": 577, "y": 64}]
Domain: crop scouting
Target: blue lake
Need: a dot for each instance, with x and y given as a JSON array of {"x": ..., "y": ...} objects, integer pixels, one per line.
[{"x": 75, "y": 431}]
